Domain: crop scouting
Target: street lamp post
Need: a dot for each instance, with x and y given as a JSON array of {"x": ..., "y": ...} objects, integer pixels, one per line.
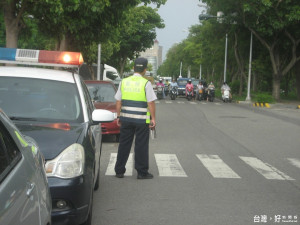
[
  {"x": 225, "y": 61},
  {"x": 180, "y": 69},
  {"x": 248, "y": 98}
]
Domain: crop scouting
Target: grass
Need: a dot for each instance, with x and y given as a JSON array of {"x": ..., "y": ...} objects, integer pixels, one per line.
[{"x": 264, "y": 97}]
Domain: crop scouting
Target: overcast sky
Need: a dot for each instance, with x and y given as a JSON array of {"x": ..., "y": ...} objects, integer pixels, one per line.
[{"x": 178, "y": 16}]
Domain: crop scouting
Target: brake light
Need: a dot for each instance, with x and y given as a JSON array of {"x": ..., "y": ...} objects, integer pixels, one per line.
[{"x": 40, "y": 57}]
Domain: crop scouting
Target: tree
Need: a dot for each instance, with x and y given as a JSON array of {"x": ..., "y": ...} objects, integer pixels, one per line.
[
  {"x": 136, "y": 34},
  {"x": 275, "y": 24},
  {"x": 83, "y": 21}
]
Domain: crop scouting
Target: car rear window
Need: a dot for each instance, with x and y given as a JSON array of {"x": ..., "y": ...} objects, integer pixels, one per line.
[
  {"x": 182, "y": 82},
  {"x": 40, "y": 99},
  {"x": 101, "y": 92}
]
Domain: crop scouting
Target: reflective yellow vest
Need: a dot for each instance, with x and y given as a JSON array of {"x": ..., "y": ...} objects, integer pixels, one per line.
[{"x": 134, "y": 102}]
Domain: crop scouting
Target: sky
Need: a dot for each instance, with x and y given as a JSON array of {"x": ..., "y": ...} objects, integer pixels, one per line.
[{"x": 178, "y": 16}]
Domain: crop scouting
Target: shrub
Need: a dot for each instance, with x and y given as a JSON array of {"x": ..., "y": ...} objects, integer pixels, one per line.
[{"x": 264, "y": 97}]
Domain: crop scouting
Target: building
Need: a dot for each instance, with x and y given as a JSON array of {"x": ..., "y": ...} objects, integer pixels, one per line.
[{"x": 154, "y": 56}]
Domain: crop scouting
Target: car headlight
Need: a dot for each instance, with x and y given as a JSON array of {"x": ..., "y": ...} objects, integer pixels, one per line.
[{"x": 68, "y": 164}]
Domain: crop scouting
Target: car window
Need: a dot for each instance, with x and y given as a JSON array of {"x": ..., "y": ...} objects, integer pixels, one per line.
[
  {"x": 111, "y": 75},
  {"x": 87, "y": 97},
  {"x": 182, "y": 82},
  {"x": 40, "y": 99},
  {"x": 102, "y": 92},
  {"x": 9, "y": 152}
]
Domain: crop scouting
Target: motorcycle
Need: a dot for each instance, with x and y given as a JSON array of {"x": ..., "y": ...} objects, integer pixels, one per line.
[
  {"x": 160, "y": 90},
  {"x": 173, "y": 93},
  {"x": 211, "y": 94},
  {"x": 200, "y": 94},
  {"x": 189, "y": 93},
  {"x": 226, "y": 96}
]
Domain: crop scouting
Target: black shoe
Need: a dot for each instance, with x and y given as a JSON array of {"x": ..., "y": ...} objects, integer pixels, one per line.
[
  {"x": 120, "y": 175},
  {"x": 145, "y": 176}
]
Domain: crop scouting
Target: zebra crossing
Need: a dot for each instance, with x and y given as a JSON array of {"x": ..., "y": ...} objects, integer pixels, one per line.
[{"x": 169, "y": 166}]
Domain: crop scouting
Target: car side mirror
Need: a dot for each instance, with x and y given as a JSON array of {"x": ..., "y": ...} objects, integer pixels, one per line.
[{"x": 102, "y": 116}]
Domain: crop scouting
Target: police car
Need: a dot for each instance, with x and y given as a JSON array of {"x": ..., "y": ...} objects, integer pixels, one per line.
[{"x": 55, "y": 109}]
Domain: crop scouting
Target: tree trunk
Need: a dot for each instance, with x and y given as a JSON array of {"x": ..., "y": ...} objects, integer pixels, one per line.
[
  {"x": 297, "y": 71},
  {"x": 12, "y": 24},
  {"x": 276, "y": 87},
  {"x": 254, "y": 83},
  {"x": 122, "y": 64}
]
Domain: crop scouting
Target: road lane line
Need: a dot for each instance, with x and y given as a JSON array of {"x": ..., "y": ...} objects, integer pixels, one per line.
[
  {"x": 294, "y": 162},
  {"x": 216, "y": 166},
  {"x": 110, "y": 171},
  {"x": 168, "y": 102},
  {"x": 169, "y": 166},
  {"x": 265, "y": 169}
]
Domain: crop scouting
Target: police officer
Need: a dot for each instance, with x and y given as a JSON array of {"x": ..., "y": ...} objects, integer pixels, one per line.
[{"x": 135, "y": 108}]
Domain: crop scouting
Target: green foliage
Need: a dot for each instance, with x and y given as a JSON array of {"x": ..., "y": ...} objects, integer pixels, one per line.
[
  {"x": 264, "y": 98},
  {"x": 2, "y": 30},
  {"x": 235, "y": 86}
]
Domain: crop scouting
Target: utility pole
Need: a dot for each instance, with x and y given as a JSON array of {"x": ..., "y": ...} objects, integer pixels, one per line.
[
  {"x": 248, "y": 98},
  {"x": 99, "y": 61}
]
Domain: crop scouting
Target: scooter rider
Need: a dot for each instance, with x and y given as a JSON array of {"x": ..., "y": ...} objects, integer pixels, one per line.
[
  {"x": 224, "y": 87},
  {"x": 210, "y": 87},
  {"x": 199, "y": 87},
  {"x": 160, "y": 83},
  {"x": 189, "y": 85},
  {"x": 174, "y": 84}
]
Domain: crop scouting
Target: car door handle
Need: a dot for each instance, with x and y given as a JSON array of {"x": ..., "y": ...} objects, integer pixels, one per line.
[{"x": 30, "y": 188}]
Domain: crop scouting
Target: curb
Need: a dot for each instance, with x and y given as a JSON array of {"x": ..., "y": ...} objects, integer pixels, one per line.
[{"x": 261, "y": 104}]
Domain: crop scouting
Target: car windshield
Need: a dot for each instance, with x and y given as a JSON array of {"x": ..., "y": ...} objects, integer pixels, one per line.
[
  {"x": 195, "y": 82},
  {"x": 182, "y": 82},
  {"x": 101, "y": 92},
  {"x": 40, "y": 100}
]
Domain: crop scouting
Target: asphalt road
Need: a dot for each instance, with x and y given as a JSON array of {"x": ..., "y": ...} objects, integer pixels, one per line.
[{"x": 213, "y": 164}]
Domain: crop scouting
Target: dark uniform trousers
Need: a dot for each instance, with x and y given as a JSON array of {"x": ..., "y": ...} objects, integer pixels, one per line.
[{"x": 141, "y": 148}]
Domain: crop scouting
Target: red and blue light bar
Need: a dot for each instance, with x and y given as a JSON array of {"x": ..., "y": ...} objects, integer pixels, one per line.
[{"x": 40, "y": 57}]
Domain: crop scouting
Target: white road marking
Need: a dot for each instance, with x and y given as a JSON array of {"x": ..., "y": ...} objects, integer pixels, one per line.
[
  {"x": 181, "y": 102},
  {"x": 193, "y": 103},
  {"x": 294, "y": 162},
  {"x": 217, "y": 167},
  {"x": 169, "y": 166},
  {"x": 169, "y": 102},
  {"x": 110, "y": 171},
  {"x": 268, "y": 171}
]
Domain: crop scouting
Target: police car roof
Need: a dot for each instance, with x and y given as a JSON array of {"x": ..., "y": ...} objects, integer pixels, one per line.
[{"x": 39, "y": 73}]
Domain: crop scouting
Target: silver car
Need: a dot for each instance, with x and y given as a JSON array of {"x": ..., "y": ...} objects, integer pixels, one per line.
[{"x": 24, "y": 192}]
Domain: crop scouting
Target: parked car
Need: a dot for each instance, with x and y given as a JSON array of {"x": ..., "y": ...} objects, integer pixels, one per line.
[
  {"x": 24, "y": 192},
  {"x": 54, "y": 108},
  {"x": 103, "y": 96}
]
